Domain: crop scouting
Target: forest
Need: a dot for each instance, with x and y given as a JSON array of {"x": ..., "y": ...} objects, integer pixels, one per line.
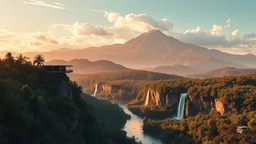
[
  {"x": 201, "y": 124},
  {"x": 205, "y": 124},
  {"x": 86, "y": 80},
  {"x": 33, "y": 111}
]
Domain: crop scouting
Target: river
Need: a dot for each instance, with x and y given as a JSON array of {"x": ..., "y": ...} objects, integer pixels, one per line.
[{"x": 133, "y": 127}]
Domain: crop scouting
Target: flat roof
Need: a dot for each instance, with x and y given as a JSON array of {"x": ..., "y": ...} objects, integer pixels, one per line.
[
  {"x": 242, "y": 126},
  {"x": 58, "y": 65}
]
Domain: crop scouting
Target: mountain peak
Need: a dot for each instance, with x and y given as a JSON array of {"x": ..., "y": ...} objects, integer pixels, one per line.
[{"x": 155, "y": 32}]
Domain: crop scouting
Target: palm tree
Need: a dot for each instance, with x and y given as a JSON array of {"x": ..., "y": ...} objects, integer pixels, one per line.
[
  {"x": 38, "y": 60},
  {"x": 22, "y": 59},
  {"x": 9, "y": 59}
]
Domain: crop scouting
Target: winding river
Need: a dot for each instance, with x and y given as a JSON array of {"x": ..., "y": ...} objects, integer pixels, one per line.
[{"x": 133, "y": 127}]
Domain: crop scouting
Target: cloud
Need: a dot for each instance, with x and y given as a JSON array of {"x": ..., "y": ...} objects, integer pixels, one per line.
[
  {"x": 249, "y": 36},
  {"x": 36, "y": 43},
  {"x": 41, "y": 37},
  {"x": 138, "y": 22},
  {"x": 42, "y": 3},
  {"x": 234, "y": 35},
  {"x": 7, "y": 36},
  {"x": 125, "y": 27},
  {"x": 88, "y": 29},
  {"x": 111, "y": 16},
  {"x": 228, "y": 21},
  {"x": 216, "y": 30},
  {"x": 201, "y": 37}
]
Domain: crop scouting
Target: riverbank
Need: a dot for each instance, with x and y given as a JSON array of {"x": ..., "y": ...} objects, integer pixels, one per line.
[
  {"x": 111, "y": 119},
  {"x": 133, "y": 127}
]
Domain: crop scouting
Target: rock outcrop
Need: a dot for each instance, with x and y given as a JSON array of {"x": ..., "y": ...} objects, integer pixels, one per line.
[
  {"x": 162, "y": 99},
  {"x": 65, "y": 89},
  {"x": 220, "y": 107},
  {"x": 197, "y": 105}
]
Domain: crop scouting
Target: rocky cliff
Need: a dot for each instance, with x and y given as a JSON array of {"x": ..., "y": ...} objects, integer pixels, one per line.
[
  {"x": 162, "y": 99},
  {"x": 197, "y": 105},
  {"x": 65, "y": 89},
  {"x": 115, "y": 91}
]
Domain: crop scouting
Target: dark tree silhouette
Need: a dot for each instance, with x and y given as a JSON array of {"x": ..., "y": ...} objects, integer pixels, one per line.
[
  {"x": 9, "y": 59},
  {"x": 38, "y": 60},
  {"x": 22, "y": 59}
]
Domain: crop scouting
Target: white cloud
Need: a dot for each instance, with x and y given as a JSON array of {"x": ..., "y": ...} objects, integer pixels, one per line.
[
  {"x": 121, "y": 29},
  {"x": 138, "y": 22},
  {"x": 111, "y": 16},
  {"x": 42, "y": 3},
  {"x": 88, "y": 29},
  {"x": 228, "y": 21},
  {"x": 216, "y": 30},
  {"x": 234, "y": 35}
]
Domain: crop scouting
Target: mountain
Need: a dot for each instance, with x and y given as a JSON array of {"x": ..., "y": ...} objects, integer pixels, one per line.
[
  {"x": 154, "y": 49},
  {"x": 226, "y": 71},
  {"x": 173, "y": 69},
  {"x": 84, "y": 66}
]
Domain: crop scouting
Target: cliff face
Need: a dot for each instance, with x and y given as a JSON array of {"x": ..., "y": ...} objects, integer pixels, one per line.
[
  {"x": 119, "y": 92},
  {"x": 162, "y": 99},
  {"x": 197, "y": 105},
  {"x": 65, "y": 89}
]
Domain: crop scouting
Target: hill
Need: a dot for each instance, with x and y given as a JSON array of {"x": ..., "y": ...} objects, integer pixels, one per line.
[
  {"x": 173, "y": 69},
  {"x": 41, "y": 107},
  {"x": 154, "y": 49},
  {"x": 226, "y": 71},
  {"x": 88, "y": 79},
  {"x": 84, "y": 66}
]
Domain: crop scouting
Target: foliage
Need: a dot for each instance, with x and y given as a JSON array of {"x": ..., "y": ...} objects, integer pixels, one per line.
[
  {"x": 32, "y": 110},
  {"x": 38, "y": 60},
  {"x": 86, "y": 80}
]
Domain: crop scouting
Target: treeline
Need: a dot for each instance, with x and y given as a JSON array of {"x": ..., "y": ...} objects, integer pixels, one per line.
[
  {"x": 32, "y": 110},
  {"x": 87, "y": 79},
  {"x": 205, "y": 124},
  {"x": 238, "y": 93},
  {"x": 208, "y": 129}
]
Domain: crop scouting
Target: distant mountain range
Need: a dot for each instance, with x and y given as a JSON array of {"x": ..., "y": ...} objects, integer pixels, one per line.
[
  {"x": 153, "y": 49},
  {"x": 227, "y": 71},
  {"x": 84, "y": 66}
]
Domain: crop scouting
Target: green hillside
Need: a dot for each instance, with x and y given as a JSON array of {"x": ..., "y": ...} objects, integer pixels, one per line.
[
  {"x": 88, "y": 79},
  {"x": 33, "y": 110}
]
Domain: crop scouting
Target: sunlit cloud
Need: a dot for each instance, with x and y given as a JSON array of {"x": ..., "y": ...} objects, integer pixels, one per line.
[
  {"x": 42, "y": 3},
  {"x": 122, "y": 28}
]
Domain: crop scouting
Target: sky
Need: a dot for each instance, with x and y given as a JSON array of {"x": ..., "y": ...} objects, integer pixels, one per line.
[{"x": 43, "y": 25}]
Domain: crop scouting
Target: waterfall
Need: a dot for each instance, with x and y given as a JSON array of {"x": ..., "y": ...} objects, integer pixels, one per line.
[
  {"x": 147, "y": 99},
  {"x": 96, "y": 90},
  {"x": 181, "y": 106}
]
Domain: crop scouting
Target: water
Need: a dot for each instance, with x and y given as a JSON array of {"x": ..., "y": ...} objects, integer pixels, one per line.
[
  {"x": 147, "y": 99},
  {"x": 181, "y": 106},
  {"x": 133, "y": 127},
  {"x": 96, "y": 90}
]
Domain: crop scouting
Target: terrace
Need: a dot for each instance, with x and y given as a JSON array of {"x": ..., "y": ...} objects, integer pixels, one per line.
[{"x": 58, "y": 68}]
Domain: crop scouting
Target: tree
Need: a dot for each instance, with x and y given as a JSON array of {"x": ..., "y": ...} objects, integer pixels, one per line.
[
  {"x": 22, "y": 59},
  {"x": 38, "y": 60},
  {"x": 9, "y": 59}
]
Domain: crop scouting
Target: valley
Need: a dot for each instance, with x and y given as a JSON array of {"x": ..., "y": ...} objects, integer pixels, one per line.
[
  {"x": 167, "y": 108},
  {"x": 127, "y": 72}
]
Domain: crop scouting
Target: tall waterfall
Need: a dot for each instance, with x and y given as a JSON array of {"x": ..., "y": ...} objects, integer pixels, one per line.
[
  {"x": 147, "y": 99},
  {"x": 181, "y": 106},
  {"x": 95, "y": 90}
]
